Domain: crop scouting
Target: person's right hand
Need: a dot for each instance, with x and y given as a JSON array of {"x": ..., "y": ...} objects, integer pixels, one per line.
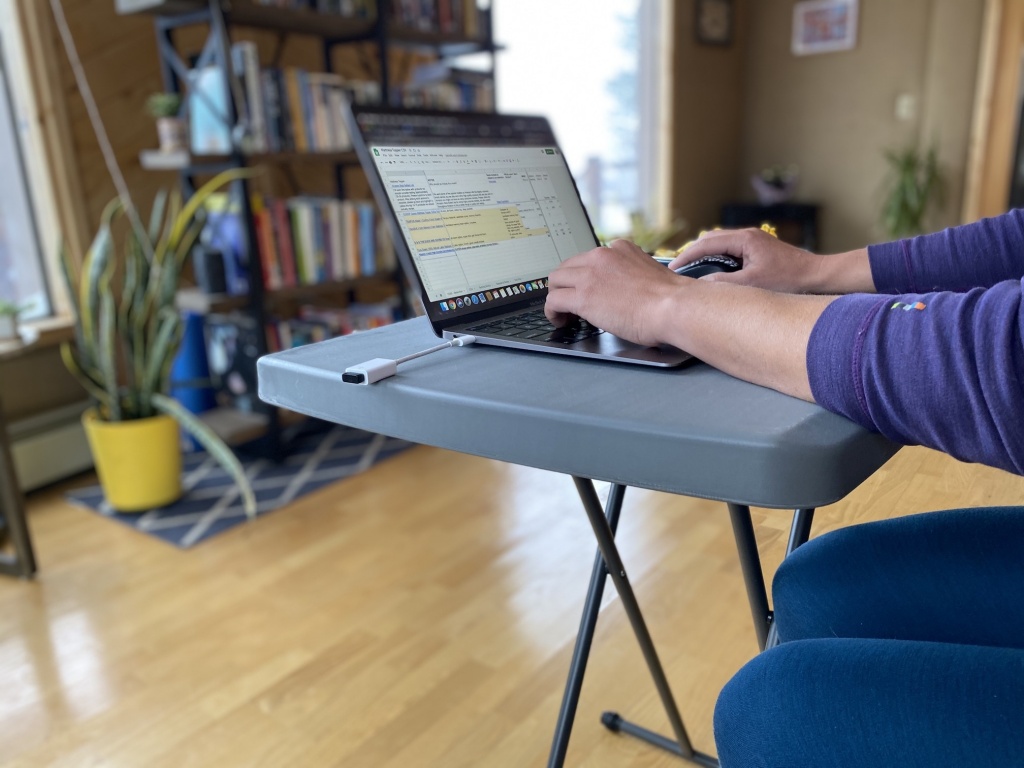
[{"x": 767, "y": 261}]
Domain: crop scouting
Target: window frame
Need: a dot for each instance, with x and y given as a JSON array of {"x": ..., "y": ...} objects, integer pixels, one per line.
[{"x": 43, "y": 133}]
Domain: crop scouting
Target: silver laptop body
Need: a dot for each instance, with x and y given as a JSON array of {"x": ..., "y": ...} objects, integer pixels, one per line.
[{"x": 481, "y": 208}]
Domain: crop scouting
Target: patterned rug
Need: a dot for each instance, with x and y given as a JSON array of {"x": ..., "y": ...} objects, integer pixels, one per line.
[{"x": 211, "y": 503}]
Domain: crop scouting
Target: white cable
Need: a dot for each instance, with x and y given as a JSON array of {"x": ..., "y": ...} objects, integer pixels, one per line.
[{"x": 379, "y": 368}]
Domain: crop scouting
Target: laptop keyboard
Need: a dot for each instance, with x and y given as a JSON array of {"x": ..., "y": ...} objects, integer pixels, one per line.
[{"x": 535, "y": 326}]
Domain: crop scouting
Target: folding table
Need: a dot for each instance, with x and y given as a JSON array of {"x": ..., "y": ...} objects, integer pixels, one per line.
[{"x": 692, "y": 431}]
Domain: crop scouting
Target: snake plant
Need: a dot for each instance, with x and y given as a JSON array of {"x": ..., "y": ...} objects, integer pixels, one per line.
[{"x": 127, "y": 330}]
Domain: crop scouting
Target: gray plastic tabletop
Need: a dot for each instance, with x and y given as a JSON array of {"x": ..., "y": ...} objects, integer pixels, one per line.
[{"x": 693, "y": 430}]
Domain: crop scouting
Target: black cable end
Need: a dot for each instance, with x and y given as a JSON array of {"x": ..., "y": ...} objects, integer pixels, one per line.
[
  {"x": 611, "y": 720},
  {"x": 353, "y": 378}
]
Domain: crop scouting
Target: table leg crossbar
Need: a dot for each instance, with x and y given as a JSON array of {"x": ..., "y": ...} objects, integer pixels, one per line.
[{"x": 608, "y": 562}]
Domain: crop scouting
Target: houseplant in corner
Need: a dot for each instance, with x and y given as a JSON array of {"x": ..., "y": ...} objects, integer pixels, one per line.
[
  {"x": 127, "y": 333},
  {"x": 914, "y": 184}
]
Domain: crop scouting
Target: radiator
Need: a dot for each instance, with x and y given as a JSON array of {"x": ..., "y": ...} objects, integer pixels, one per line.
[{"x": 50, "y": 446}]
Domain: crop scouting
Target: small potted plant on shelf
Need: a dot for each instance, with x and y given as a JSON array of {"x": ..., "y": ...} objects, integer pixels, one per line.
[
  {"x": 170, "y": 127},
  {"x": 127, "y": 334},
  {"x": 9, "y": 312}
]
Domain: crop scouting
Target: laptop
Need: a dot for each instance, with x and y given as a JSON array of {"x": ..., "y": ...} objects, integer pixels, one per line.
[{"x": 481, "y": 208}]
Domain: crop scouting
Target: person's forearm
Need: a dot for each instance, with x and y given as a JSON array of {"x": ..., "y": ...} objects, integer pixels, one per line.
[
  {"x": 750, "y": 333},
  {"x": 976, "y": 255},
  {"x": 848, "y": 272}
]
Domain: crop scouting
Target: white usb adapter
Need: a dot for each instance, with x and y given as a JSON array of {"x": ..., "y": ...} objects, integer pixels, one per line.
[{"x": 379, "y": 368}]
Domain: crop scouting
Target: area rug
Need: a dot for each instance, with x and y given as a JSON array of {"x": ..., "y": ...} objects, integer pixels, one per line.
[{"x": 211, "y": 503}]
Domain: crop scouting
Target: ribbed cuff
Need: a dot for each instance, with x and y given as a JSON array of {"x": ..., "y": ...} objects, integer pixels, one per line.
[
  {"x": 834, "y": 355},
  {"x": 890, "y": 267}
]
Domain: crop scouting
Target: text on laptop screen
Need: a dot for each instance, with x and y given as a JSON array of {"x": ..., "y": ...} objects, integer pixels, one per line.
[{"x": 477, "y": 218}]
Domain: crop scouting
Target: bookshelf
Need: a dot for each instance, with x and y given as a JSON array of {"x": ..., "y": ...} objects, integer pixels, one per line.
[{"x": 262, "y": 111}]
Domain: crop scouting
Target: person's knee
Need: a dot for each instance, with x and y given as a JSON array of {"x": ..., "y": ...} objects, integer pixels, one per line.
[
  {"x": 899, "y": 578},
  {"x": 808, "y": 584},
  {"x": 754, "y": 720},
  {"x": 846, "y": 702},
  {"x": 737, "y": 722}
]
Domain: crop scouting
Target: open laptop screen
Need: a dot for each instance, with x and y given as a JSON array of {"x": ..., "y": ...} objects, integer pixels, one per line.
[
  {"x": 480, "y": 219},
  {"x": 484, "y": 205}
]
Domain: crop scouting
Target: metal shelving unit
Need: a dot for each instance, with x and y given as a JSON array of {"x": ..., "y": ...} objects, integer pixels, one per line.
[{"x": 221, "y": 17}]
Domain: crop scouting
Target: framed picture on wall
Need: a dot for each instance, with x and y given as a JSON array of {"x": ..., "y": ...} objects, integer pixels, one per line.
[{"x": 824, "y": 26}]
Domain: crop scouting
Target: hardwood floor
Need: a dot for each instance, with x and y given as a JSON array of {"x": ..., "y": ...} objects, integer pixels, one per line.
[{"x": 421, "y": 614}]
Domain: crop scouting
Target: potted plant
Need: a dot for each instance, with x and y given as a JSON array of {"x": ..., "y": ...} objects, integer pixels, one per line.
[
  {"x": 775, "y": 184},
  {"x": 127, "y": 334},
  {"x": 170, "y": 128},
  {"x": 914, "y": 185},
  {"x": 650, "y": 237},
  {"x": 9, "y": 312}
]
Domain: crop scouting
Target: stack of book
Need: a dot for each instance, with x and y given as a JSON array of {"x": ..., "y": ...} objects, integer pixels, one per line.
[
  {"x": 280, "y": 110},
  {"x": 440, "y": 86},
  {"x": 292, "y": 110},
  {"x": 321, "y": 323},
  {"x": 309, "y": 240},
  {"x": 459, "y": 18},
  {"x": 356, "y": 9}
]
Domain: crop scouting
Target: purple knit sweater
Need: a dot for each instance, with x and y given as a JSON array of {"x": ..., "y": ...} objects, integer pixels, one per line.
[{"x": 939, "y": 359}]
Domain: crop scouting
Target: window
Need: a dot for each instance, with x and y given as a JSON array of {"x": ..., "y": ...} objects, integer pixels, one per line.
[
  {"x": 23, "y": 277},
  {"x": 593, "y": 68}
]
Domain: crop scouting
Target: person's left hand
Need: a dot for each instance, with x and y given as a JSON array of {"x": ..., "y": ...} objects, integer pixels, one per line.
[{"x": 618, "y": 288}]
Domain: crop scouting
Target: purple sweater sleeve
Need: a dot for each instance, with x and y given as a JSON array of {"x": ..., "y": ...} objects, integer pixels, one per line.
[
  {"x": 945, "y": 370},
  {"x": 976, "y": 255}
]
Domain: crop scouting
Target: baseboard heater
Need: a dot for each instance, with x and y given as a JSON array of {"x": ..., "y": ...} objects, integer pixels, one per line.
[{"x": 49, "y": 446}]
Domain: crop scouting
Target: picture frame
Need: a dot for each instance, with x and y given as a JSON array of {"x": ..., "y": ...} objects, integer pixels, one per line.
[
  {"x": 714, "y": 22},
  {"x": 824, "y": 26}
]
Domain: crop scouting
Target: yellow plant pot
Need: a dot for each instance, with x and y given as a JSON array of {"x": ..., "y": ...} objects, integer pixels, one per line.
[{"x": 138, "y": 461}]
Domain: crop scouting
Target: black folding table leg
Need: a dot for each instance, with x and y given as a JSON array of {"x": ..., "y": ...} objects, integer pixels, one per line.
[
  {"x": 799, "y": 533},
  {"x": 609, "y": 563},
  {"x": 681, "y": 746},
  {"x": 584, "y": 638}
]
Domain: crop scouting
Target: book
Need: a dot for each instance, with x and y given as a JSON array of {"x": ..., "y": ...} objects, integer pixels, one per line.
[
  {"x": 335, "y": 227},
  {"x": 367, "y": 236},
  {"x": 246, "y": 64},
  {"x": 224, "y": 231},
  {"x": 269, "y": 259},
  {"x": 209, "y": 128},
  {"x": 350, "y": 229},
  {"x": 296, "y": 112},
  {"x": 283, "y": 235},
  {"x": 306, "y": 106},
  {"x": 300, "y": 241}
]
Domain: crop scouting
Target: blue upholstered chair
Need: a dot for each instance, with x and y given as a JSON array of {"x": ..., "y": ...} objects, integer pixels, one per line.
[{"x": 902, "y": 644}]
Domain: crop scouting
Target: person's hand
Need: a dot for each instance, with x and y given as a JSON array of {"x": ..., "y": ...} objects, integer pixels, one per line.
[
  {"x": 767, "y": 261},
  {"x": 618, "y": 288}
]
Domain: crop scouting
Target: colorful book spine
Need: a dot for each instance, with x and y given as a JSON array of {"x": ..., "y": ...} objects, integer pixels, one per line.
[
  {"x": 296, "y": 110},
  {"x": 285, "y": 249},
  {"x": 367, "y": 237}
]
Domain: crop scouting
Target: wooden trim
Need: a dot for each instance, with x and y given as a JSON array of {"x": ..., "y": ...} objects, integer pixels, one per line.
[
  {"x": 983, "y": 95},
  {"x": 664, "y": 205},
  {"x": 997, "y": 111},
  {"x": 42, "y": 49}
]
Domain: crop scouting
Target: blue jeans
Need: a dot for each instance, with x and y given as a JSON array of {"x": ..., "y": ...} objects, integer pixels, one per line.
[{"x": 902, "y": 644}]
